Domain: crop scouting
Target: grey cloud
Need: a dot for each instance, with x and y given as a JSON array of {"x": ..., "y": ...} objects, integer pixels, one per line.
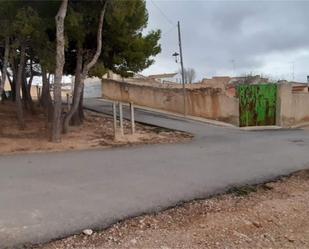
[{"x": 215, "y": 32}]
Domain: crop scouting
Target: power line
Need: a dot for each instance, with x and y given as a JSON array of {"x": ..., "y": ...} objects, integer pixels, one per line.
[
  {"x": 163, "y": 14},
  {"x": 169, "y": 31}
]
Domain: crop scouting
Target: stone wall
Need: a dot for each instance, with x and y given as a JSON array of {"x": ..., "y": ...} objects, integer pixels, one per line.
[
  {"x": 293, "y": 108},
  {"x": 202, "y": 102},
  {"x": 211, "y": 103}
]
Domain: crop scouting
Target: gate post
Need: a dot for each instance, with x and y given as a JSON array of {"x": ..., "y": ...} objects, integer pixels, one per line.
[{"x": 284, "y": 105}]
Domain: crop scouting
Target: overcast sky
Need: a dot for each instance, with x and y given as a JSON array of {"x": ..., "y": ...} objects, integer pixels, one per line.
[{"x": 259, "y": 37}]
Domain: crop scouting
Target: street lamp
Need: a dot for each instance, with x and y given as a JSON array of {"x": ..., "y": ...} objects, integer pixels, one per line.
[{"x": 176, "y": 56}]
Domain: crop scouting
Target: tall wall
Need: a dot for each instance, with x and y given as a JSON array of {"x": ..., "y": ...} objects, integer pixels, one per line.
[
  {"x": 92, "y": 88},
  {"x": 293, "y": 108},
  {"x": 204, "y": 102}
]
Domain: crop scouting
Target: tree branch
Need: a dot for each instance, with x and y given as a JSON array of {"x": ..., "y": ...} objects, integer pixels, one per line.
[{"x": 99, "y": 42}]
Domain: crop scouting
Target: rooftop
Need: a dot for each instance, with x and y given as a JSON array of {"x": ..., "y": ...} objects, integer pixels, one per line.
[{"x": 165, "y": 75}]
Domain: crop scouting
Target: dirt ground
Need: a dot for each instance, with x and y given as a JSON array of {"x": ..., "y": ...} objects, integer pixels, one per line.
[
  {"x": 96, "y": 132},
  {"x": 272, "y": 215}
]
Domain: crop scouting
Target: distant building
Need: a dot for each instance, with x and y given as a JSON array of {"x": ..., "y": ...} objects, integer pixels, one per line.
[
  {"x": 229, "y": 84},
  {"x": 166, "y": 77}
]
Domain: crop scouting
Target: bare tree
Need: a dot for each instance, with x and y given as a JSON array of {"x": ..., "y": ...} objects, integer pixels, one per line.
[
  {"x": 82, "y": 72},
  {"x": 190, "y": 75},
  {"x": 60, "y": 60}
]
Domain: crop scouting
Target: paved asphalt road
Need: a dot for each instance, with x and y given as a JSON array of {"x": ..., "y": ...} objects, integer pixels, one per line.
[{"x": 46, "y": 196}]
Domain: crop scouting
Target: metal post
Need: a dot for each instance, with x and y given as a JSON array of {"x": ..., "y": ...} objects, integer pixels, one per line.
[
  {"x": 182, "y": 71},
  {"x": 121, "y": 119},
  {"x": 132, "y": 118},
  {"x": 115, "y": 118}
]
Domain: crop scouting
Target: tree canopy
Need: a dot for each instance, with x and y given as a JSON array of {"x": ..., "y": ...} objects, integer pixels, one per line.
[{"x": 28, "y": 41}]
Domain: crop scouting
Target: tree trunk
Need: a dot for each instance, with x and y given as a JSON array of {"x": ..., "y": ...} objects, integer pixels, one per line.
[
  {"x": 46, "y": 100},
  {"x": 60, "y": 60},
  {"x": 14, "y": 64},
  {"x": 12, "y": 85},
  {"x": 19, "y": 106},
  {"x": 24, "y": 90},
  {"x": 5, "y": 65},
  {"x": 77, "y": 90},
  {"x": 78, "y": 116},
  {"x": 84, "y": 73},
  {"x": 28, "y": 90}
]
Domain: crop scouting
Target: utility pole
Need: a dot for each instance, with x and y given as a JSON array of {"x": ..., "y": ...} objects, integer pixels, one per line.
[{"x": 182, "y": 71}]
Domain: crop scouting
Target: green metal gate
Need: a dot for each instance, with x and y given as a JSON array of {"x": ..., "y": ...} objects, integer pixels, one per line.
[{"x": 257, "y": 104}]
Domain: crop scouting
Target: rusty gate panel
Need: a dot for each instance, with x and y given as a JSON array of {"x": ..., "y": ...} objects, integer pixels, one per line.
[{"x": 257, "y": 104}]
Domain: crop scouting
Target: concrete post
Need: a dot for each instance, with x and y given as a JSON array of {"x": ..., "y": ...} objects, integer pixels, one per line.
[
  {"x": 132, "y": 118},
  {"x": 121, "y": 119}
]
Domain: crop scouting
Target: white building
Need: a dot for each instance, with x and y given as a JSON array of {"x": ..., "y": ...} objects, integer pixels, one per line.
[{"x": 167, "y": 77}]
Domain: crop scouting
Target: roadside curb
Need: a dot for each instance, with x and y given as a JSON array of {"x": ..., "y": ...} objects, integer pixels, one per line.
[{"x": 261, "y": 128}]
